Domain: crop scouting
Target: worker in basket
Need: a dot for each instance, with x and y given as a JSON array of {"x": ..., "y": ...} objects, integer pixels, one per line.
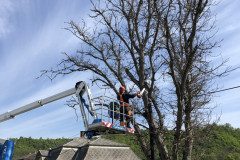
[{"x": 124, "y": 97}]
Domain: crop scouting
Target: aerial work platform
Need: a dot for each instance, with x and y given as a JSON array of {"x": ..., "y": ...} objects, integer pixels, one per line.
[{"x": 109, "y": 124}]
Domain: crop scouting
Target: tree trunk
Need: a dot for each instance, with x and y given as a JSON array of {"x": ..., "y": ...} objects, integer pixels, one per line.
[
  {"x": 188, "y": 124},
  {"x": 143, "y": 144},
  {"x": 188, "y": 141},
  {"x": 177, "y": 134},
  {"x": 159, "y": 139},
  {"x": 162, "y": 148},
  {"x": 151, "y": 131}
]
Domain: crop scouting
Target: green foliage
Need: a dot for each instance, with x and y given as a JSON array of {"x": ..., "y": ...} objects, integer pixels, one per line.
[
  {"x": 222, "y": 144},
  {"x": 23, "y": 146}
]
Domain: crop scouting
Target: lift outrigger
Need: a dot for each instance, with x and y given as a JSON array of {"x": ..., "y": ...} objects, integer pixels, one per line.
[{"x": 89, "y": 112}]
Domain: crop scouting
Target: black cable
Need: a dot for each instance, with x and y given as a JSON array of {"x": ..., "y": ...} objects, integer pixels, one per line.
[
  {"x": 74, "y": 135},
  {"x": 225, "y": 89},
  {"x": 219, "y": 91}
]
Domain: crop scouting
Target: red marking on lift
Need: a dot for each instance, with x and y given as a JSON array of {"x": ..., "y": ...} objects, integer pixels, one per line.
[{"x": 110, "y": 126}]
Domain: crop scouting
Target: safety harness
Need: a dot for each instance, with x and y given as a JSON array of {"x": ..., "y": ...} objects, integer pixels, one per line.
[
  {"x": 128, "y": 112},
  {"x": 121, "y": 103}
]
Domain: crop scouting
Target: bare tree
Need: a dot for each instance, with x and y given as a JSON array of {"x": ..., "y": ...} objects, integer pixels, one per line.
[
  {"x": 139, "y": 41},
  {"x": 189, "y": 31}
]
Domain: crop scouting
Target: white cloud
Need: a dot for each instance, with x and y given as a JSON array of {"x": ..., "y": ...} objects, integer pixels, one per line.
[
  {"x": 6, "y": 8},
  {"x": 27, "y": 52}
]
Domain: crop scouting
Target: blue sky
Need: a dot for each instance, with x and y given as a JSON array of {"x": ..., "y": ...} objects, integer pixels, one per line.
[{"x": 32, "y": 39}]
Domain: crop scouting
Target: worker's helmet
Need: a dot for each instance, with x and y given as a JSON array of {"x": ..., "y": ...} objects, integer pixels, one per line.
[{"x": 122, "y": 88}]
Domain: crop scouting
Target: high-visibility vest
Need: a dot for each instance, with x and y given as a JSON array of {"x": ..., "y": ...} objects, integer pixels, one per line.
[{"x": 121, "y": 103}]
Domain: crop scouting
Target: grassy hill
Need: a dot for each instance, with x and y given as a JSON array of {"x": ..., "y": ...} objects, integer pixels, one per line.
[{"x": 222, "y": 143}]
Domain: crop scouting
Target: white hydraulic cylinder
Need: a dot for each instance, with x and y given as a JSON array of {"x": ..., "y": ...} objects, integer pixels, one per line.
[
  {"x": 83, "y": 87},
  {"x": 11, "y": 114}
]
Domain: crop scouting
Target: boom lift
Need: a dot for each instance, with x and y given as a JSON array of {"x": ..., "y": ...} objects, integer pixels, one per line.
[{"x": 97, "y": 127}]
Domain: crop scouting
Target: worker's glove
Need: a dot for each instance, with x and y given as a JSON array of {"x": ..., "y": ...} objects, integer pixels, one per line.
[
  {"x": 138, "y": 95},
  {"x": 117, "y": 111}
]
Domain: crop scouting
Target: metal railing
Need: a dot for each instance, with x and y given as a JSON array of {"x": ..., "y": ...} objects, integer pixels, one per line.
[{"x": 104, "y": 101}]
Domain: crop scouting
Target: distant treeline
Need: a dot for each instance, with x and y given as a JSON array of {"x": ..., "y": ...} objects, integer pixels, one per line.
[
  {"x": 215, "y": 142},
  {"x": 23, "y": 146}
]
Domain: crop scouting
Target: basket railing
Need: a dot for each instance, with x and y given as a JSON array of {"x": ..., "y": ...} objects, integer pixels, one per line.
[{"x": 104, "y": 101}]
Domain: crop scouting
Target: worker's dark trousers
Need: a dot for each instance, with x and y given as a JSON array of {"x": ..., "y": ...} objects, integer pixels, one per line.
[{"x": 126, "y": 109}]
